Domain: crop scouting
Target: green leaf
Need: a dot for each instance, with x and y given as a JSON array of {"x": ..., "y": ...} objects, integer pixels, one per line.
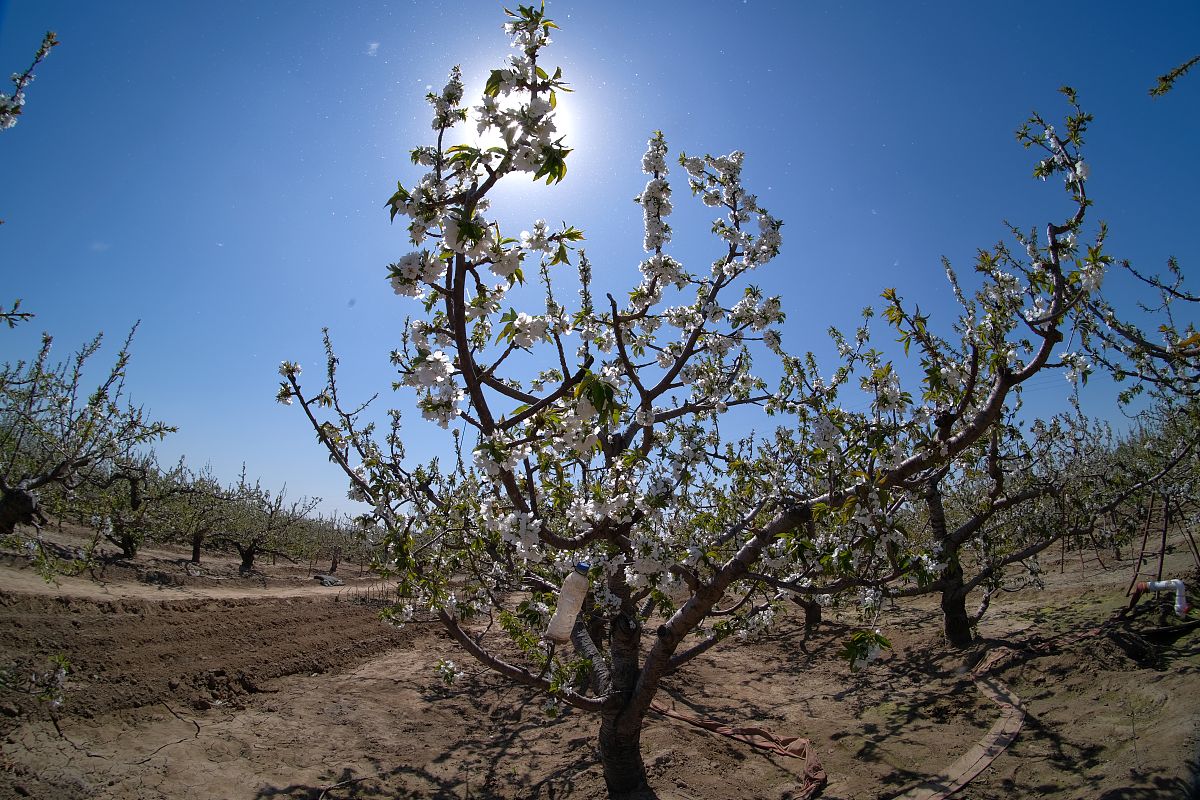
[
  {"x": 492, "y": 87},
  {"x": 560, "y": 257}
]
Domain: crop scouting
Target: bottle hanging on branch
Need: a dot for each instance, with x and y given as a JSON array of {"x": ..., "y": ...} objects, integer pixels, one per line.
[{"x": 570, "y": 600}]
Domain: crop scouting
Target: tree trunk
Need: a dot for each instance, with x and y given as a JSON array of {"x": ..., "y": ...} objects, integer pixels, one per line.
[
  {"x": 621, "y": 726},
  {"x": 812, "y": 613},
  {"x": 954, "y": 605},
  {"x": 130, "y": 541},
  {"x": 197, "y": 540},
  {"x": 122, "y": 537},
  {"x": 954, "y": 597},
  {"x": 247, "y": 554},
  {"x": 17, "y": 507},
  {"x": 621, "y": 756},
  {"x": 128, "y": 545},
  {"x": 337, "y": 558}
]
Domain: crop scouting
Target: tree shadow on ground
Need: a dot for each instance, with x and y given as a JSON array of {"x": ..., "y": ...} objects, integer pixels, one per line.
[
  {"x": 1115, "y": 644},
  {"x": 472, "y": 779},
  {"x": 1164, "y": 788},
  {"x": 487, "y": 762},
  {"x": 374, "y": 786}
]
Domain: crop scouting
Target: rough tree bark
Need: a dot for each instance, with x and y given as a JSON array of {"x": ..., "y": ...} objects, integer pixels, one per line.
[
  {"x": 812, "y": 613},
  {"x": 247, "y": 553},
  {"x": 124, "y": 538},
  {"x": 124, "y": 533},
  {"x": 620, "y": 725},
  {"x": 18, "y": 506},
  {"x": 954, "y": 605},
  {"x": 954, "y": 596}
]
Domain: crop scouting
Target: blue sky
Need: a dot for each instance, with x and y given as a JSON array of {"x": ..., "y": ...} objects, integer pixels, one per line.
[{"x": 218, "y": 170}]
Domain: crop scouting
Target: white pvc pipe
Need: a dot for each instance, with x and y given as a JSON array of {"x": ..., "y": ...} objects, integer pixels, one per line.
[
  {"x": 1176, "y": 585},
  {"x": 570, "y": 600}
]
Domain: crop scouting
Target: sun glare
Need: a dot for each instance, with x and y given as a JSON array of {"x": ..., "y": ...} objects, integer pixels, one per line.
[{"x": 566, "y": 121}]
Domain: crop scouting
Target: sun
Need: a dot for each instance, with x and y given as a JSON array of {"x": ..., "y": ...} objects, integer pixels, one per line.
[{"x": 565, "y": 116}]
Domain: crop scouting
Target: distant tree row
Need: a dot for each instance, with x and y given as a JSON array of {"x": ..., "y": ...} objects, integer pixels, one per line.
[{"x": 84, "y": 454}]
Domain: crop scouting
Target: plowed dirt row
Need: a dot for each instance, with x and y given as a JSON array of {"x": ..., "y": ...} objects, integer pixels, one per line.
[{"x": 193, "y": 653}]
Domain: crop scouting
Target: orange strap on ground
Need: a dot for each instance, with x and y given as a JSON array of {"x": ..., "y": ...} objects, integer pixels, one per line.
[
  {"x": 985, "y": 751},
  {"x": 792, "y": 746}
]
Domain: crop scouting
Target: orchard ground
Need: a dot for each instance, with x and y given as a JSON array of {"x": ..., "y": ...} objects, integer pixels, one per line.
[{"x": 205, "y": 684}]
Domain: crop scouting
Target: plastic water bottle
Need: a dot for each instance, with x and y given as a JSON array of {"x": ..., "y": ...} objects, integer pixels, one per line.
[{"x": 570, "y": 600}]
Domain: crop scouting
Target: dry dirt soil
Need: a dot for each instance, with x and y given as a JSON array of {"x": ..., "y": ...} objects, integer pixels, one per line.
[{"x": 201, "y": 684}]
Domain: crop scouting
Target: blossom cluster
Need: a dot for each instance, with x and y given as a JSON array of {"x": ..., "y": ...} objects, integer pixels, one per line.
[
  {"x": 717, "y": 180},
  {"x": 407, "y": 274},
  {"x": 11, "y": 105},
  {"x": 655, "y": 199},
  {"x": 446, "y": 110},
  {"x": 755, "y": 312},
  {"x": 529, "y": 329},
  {"x": 522, "y": 530},
  {"x": 1077, "y": 366},
  {"x": 448, "y": 671},
  {"x": 1074, "y": 170},
  {"x": 438, "y": 394},
  {"x": 756, "y": 625}
]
